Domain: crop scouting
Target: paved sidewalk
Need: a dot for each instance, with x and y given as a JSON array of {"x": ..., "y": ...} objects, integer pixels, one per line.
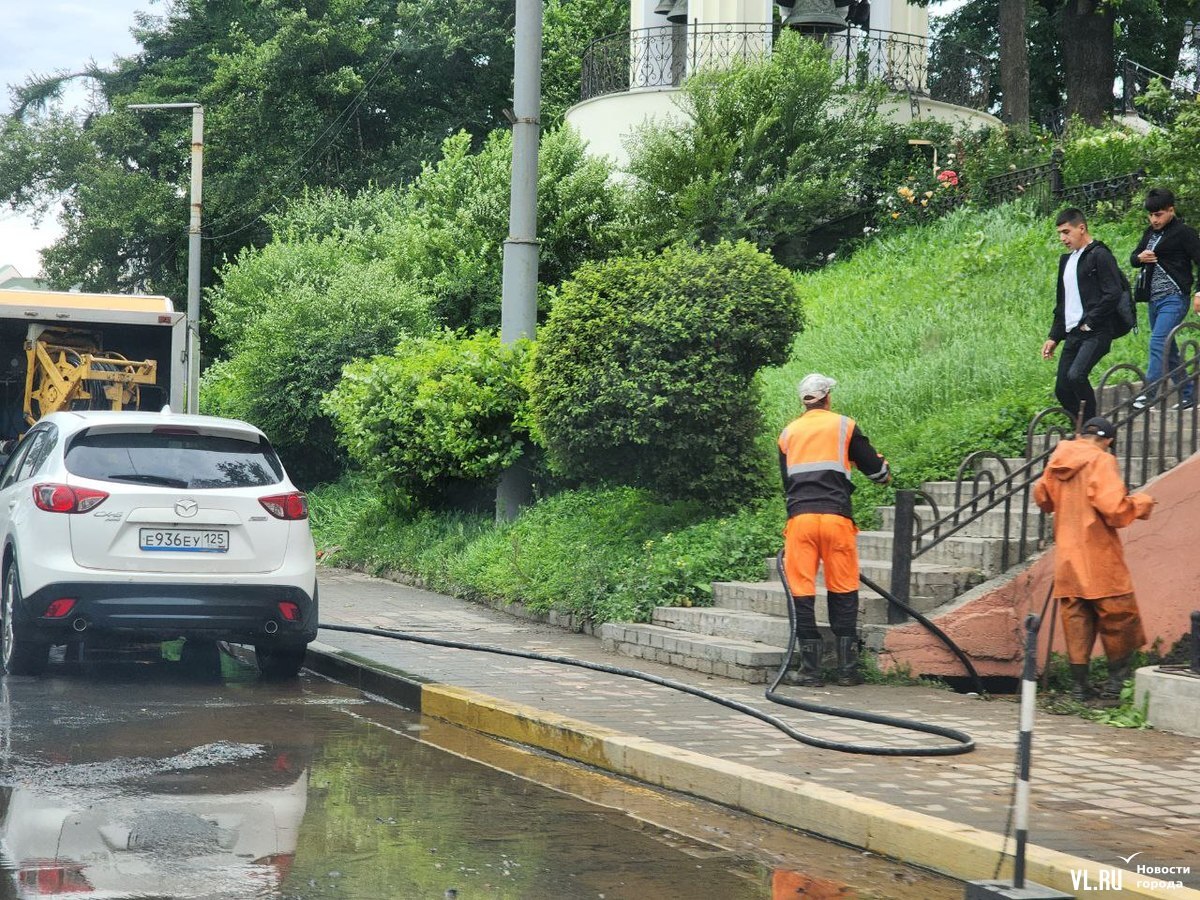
[{"x": 1099, "y": 793}]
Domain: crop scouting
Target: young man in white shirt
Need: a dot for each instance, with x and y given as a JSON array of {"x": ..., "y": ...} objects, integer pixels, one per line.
[{"x": 1089, "y": 286}]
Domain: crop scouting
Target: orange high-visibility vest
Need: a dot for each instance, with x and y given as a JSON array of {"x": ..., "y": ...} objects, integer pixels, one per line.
[{"x": 816, "y": 443}]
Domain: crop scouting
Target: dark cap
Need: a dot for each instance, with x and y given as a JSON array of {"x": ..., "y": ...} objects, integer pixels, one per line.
[{"x": 1100, "y": 426}]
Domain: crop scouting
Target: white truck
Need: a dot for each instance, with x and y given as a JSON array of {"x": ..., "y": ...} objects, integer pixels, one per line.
[{"x": 65, "y": 350}]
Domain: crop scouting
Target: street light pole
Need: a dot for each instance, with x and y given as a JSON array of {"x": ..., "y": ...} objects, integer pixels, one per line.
[
  {"x": 518, "y": 298},
  {"x": 193, "y": 282}
]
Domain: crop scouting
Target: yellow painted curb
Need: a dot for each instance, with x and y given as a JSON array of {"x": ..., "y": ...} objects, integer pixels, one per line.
[{"x": 960, "y": 851}]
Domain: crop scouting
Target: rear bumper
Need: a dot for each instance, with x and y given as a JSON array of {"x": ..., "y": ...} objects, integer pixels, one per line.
[{"x": 233, "y": 612}]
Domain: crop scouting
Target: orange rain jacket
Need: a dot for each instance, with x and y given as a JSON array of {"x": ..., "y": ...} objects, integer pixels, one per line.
[{"x": 1083, "y": 488}]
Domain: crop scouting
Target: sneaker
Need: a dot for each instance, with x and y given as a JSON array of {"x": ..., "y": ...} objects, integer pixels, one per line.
[
  {"x": 1141, "y": 402},
  {"x": 1184, "y": 404}
]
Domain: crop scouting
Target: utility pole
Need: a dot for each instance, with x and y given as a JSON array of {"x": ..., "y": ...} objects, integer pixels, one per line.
[
  {"x": 193, "y": 282},
  {"x": 518, "y": 304}
]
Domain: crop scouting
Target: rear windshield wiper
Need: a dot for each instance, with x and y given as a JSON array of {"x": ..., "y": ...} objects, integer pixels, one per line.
[{"x": 147, "y": 479}]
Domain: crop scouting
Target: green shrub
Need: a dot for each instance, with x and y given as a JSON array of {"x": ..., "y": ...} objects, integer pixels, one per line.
[
  {"x": 644, "y": 373},
  {"x": 771, "y": 149},
  {"x": 1092, "y": 154},
  {"x": 1176, "y": 162},
  {"x": 439, "y": 410},
  {"x": 288, "y": 344}
]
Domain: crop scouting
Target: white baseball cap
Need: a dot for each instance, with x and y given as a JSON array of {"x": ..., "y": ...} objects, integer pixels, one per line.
[{"x": 816, "y": 387}]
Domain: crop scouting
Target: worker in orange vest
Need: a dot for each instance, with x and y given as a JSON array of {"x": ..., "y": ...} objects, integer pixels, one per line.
[{"x": 816, "y": 453}]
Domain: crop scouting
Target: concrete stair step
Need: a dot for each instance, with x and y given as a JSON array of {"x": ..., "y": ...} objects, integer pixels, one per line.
[
  {"x": 949, "y": 494},
  {"x": 992, "y": 524},
  {"x": 984, "y": 554},
  {"x": 768, "y": 598},
  {"x": 743, "y": 660},
  {"x": 935, "y": 582}
]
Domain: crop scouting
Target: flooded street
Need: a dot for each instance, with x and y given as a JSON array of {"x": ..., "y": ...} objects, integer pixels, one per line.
[{"x": 138, "y": 777}]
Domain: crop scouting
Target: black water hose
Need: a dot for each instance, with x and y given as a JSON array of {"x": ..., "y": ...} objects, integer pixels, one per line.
[{"x": 965, "y": 743}]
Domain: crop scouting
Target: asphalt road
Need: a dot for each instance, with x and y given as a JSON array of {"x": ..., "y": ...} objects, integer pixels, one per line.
[{"x": 137, "y": 776}]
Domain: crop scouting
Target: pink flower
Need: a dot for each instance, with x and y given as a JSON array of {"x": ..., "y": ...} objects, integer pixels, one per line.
[{"x": 949, "y": 176}]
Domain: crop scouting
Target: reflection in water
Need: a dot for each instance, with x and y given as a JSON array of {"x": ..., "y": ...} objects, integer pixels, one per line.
[{"x": 140, "y": 779}]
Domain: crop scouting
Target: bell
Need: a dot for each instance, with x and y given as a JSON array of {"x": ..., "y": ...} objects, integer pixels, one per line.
[
  {"x": 664, "y": 7},
  {"x": 815, "y": 17},
  {"x": 859, "y": 14},
  {"x": 679, "y": 12}
]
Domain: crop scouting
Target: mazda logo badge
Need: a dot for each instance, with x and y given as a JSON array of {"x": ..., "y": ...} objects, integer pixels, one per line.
[{"x": 186, "y": 508}]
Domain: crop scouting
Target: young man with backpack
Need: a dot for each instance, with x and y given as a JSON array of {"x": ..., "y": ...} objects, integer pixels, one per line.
[
  {"x": 1165, "y": 255},
  {"x": 1089, "y": 295}
]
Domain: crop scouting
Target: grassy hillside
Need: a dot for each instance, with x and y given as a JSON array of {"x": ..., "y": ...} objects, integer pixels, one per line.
[{"x": 934, "y": 335}]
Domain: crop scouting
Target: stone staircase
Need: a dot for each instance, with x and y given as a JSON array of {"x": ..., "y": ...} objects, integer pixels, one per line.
[{"x": 744, "y": 634}]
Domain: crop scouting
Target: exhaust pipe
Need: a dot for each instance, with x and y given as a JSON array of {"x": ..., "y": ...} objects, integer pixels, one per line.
[
  {"x": 271, "y": 626},
  {"x": 80, "y": 624}
]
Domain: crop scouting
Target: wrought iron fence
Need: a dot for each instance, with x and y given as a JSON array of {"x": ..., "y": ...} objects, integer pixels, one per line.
[
  {"x": 1043, "y": 184},
  {"x": 664, "y": 55},
  {"x": 1149, "y": 441}
]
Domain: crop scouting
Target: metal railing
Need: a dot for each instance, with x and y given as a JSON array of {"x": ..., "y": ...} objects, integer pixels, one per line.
[
  {"x": 1044, "y": 185},
  {"x": 1136, "y": 78},
  {"x": 663, "y": 56},
  {"x": 1149, "y": 441}
]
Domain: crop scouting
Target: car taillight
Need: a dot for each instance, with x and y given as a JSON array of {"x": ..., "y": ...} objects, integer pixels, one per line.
[
  {"x": 50, "y": 877},
  {"x": 60, "y": 607},
  {"x": 280, "y": 862},
  {"x": 286, "y": 506},
  {"x": 289, "y": 610},
  {"x": 62, "y": 498}
]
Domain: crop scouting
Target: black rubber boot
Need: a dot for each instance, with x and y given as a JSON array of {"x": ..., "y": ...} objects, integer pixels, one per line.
[
  {"x": 848, "y": 672},
  {"x": 1118, "y": 673},
  {"x": 1081, "y": 688},
  {"x": 808, "y": 673}
]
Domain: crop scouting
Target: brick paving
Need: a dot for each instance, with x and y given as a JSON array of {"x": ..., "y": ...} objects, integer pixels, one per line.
[{"x": 1097, "y": 792}]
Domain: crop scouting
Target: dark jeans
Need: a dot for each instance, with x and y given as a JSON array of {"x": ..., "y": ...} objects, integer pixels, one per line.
[{"x": 1080, "y": 352}]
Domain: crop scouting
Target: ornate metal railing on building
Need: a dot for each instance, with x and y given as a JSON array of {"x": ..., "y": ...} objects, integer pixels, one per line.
[
  {"x": 1043, "y": 185},
  {"x": 1149, "y": 441},
  {"x": 1136, "y": 80},
  {"x": 663, "y": 56}
]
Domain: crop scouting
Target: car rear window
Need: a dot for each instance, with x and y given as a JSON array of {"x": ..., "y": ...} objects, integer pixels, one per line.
[{"x": 191, "y": 461}]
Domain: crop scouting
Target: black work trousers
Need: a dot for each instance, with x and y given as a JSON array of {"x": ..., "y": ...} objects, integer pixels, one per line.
[{"x": 1080, "y": 352}]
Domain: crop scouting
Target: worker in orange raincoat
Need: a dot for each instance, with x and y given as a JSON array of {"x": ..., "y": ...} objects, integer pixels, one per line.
[
  {"x": 1083, "y": 488},
  {"x": 816, "y": 452}
]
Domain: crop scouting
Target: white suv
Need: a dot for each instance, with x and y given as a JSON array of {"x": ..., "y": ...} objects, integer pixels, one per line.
[{"x": 153, "y": 526}]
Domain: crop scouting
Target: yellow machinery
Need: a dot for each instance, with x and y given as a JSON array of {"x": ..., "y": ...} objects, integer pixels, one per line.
[{"x": 66, "y": 369}]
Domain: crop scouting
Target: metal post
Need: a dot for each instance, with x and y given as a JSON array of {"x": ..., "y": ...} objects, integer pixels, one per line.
[
  {"x": 1025, "y": 747},
  {"x": 193, "y": 281},
  {"x": 902, "y": 554},
  {"x": 518, "y": 304},
  {"x": 1196, "y": 642}
]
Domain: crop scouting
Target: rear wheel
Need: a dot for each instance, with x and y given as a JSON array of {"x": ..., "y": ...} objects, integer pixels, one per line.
[
  {"x": 18, "y": 654},
  {"x": 279, "y": 662}
]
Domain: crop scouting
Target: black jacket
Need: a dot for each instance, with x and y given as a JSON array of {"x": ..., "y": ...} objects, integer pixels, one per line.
[
  {"x": 1100, "y": 288},
  {"x": 1178, "y": 248}
]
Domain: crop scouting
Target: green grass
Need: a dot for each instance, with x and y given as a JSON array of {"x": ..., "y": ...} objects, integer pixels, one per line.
[{"x": 934, "y": 335}]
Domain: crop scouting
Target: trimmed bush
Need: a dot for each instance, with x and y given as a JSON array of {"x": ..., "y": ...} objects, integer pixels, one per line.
[
  {"x": 288, "y": 347},
  {"x": 439, "y": 410},
  {"x": 644, "y": 373}
]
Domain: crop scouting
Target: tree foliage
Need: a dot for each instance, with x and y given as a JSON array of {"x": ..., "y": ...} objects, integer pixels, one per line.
[
  {"x": 568, "y": 27},
  {"x": 312, "y": 312},
  {"x": 768, "y": 151},
  {"x": 296, "y": 93},
  {"x": 644, "y": 372}
]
